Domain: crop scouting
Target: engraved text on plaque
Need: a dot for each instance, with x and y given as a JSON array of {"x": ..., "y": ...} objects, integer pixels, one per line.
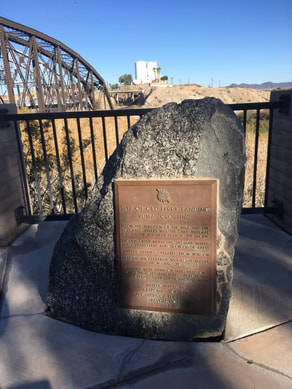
[{"x": 166, "y": 244}]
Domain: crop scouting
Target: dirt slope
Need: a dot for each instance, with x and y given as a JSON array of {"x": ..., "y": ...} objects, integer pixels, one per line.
[{"x": 178, "y": 93}]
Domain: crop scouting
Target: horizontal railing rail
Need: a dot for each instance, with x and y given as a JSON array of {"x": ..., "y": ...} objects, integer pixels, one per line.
[
  {"x": 76, "y": 114},
  {"x": 63, "y": 154},
  {"x": 129, "y": 112}
]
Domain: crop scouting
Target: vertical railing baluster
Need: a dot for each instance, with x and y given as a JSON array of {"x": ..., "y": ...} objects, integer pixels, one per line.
[
  {"x": 271, "y": 117},
  {"x": 244, "y": 121},
  {"x": 117, "y": 131},
  {"x": 128, "y": 121},
  {"x": 255, "y": 164},
  {"x": 34, "y": 167},
  {"x": 104, "y": 139},
  {"x": 59, "y": 166},
  {"x": 46, "y": 166},
  {"x": 23, "y": 168},
  {"x": 93, "y": 148},
  {"x": 70, "y": 164},
  {"x": 82, "y": 158}
]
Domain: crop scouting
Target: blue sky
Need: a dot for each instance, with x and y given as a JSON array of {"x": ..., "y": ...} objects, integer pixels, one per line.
[{"x": 227, "y": 41}]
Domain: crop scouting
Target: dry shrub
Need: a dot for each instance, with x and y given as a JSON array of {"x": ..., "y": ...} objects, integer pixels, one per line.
[{"x": 261, "y": 170}]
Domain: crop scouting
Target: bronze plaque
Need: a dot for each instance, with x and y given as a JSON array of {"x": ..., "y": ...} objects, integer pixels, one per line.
[{"x": 166, "y": 244}]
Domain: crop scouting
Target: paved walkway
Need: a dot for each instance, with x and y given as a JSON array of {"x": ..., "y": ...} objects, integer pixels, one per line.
[{"x": 39, "y": 352}]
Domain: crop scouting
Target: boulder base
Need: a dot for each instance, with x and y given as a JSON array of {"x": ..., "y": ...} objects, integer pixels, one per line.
[{"x": 194, "y": 139}]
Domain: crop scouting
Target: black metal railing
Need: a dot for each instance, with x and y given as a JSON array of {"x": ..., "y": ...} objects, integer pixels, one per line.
[{"x": 63, "y": 154}]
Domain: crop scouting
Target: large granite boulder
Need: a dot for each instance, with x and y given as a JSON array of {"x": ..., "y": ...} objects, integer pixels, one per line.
[{"x": 197, "y": 138}]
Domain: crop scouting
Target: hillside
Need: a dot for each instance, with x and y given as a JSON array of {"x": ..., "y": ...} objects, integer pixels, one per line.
[
  {"x": 266, "y": 85},
  {"x": 178, "y": 93}
]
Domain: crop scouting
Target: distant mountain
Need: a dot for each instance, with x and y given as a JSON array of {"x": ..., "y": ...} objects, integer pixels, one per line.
[{"x": 264, "y": 85}]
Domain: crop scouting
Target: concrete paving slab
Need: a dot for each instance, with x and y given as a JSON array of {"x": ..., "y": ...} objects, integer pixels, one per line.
[
  {"x": 27, "y": 273},
  {"x": 262, "y": 287},
  {"x": 262, "y": 226},
  {"x": 220, "y": 370},
  {"x": 39, "y": 349},
  {"x": 39, "y": 352},
  {"x": 271, "y": 348}
]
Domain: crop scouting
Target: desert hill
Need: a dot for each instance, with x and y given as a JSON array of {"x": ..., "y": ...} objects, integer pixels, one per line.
[
  {"x": 165, "y": 93},
  {"x": 266, "y": 85},
  {"x": 178, "y": 93}
]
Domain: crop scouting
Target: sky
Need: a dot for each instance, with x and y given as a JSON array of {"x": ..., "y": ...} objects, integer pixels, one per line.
[{"x": 193, "y": 41}]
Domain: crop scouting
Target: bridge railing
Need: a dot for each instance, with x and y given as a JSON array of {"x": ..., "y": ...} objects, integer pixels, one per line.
[{"x": 63, "y": 154}]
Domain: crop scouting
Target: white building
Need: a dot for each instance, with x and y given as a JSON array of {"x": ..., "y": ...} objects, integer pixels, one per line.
[{"x": 145, "y": 72}]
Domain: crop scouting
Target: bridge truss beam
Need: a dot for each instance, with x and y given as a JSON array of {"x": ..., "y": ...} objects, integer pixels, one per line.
[{"x": 40, "y": 72}]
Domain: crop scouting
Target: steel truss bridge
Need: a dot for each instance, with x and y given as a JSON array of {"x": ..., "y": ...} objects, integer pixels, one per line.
[{"x": 40, "y": 72}]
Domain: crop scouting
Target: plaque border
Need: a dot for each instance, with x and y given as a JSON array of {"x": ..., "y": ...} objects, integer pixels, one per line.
[{"x": 214, "y": 183}]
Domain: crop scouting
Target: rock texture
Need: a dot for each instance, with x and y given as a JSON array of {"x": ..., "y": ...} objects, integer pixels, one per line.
[{"x": 197, "y": 138}]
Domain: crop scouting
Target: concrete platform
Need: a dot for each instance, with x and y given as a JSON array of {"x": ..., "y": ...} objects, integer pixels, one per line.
[{"x": 39, "y": 352}]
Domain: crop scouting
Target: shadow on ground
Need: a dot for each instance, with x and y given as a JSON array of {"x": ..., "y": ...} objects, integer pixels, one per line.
[{"x": 40, "y": 352}]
